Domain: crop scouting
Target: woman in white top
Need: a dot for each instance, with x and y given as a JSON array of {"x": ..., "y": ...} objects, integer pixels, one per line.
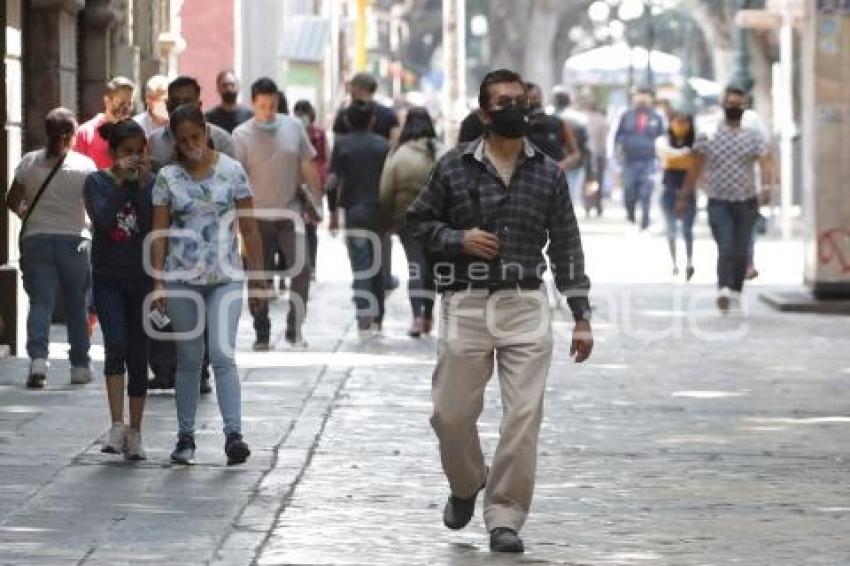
[{"x": 54, "y": 243}]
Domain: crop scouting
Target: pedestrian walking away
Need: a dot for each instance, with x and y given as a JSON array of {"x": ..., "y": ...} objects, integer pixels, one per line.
[
  {"x": 634, "y": 149},
  {"x": 675, "y": 152},
  {"x": 405, "y": 173},
  {"x": 201, "y": 275},
  {"x": 486, "y": 213},
  {"x": 729, "y": 156},
  {"x": 118, "y": 202},
  {"x": 277, "y": 155},
  {"x": 357, "y": 161},
  {"x": 363, "y": 87},
  {"x": 47, "y": 194}
]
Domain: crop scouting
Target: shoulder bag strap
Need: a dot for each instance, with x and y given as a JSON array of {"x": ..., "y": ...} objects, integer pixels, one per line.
[{"x": 31, "y": 206}]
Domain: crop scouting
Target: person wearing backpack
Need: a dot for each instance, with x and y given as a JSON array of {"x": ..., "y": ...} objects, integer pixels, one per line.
[{"x": 47, "y": 194}]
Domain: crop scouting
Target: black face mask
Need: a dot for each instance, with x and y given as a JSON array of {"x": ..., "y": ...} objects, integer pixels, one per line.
[
  {"x": 229, "y": 97},
  {"x": 510, "y": 122},
  {"x": 733, "y": 114}
]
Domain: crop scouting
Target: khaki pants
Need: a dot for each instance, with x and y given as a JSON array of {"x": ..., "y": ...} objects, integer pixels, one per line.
[{"x": 514, "y": 329}]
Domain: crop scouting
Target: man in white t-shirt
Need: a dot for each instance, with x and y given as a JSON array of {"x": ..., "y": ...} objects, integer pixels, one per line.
[
  {"x": 155, "y": 115},
  {"x": 277, "y": 154}
]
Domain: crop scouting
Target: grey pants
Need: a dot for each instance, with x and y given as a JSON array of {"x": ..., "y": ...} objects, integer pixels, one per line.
[{"x": 280, "y": 236}]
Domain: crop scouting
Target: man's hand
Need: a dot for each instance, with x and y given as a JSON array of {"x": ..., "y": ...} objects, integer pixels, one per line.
[
  {"x": 481, "y": 244},
  {"x": 582, "y": 344},
  {"x": 765, "y": 196},
  {"x": 333, "y": 224},
  {"x": 682, "y": 205}
]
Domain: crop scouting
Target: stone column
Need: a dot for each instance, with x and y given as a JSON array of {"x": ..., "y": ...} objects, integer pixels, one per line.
[
  {"x": 98, "y": 20},
  {"x": 50, "y": 62},
  {"x": 826, "y": 136}
]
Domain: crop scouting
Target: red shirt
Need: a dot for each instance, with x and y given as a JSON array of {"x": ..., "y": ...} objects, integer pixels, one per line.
[{"x": 89, "y": 143}]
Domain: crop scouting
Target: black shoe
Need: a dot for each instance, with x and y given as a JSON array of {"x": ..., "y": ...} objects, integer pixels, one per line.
[
  {"x": 391, "y": 284},
  {"x": 459, "y": 511},
  {"x": 36, "y": 381},
  {"x": 162, "y": 380},
  {"x": 689, "y": 272},
  {"x": 184, "y": 451},
  {"x": 503, "y": 539},
  {"x": 236, "y": 449},
  {"x": 206, "y": 388}
]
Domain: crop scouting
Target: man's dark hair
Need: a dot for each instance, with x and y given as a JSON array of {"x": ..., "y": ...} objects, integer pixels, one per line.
[
  {"x": 496, "y": 77},
  {"x": 222, "y": 74},
  {"x": 304, "y": 107},
  {"x": 645, "y": 90},
  {"x": 562, "y": 100},
  {"x": 359, "y": 115},
  {"x": 734, "y": 89},
  {"x": 364, "y": 81},
  {"x": 184, "y": 81},
  {"x": 263, "y": 86}
]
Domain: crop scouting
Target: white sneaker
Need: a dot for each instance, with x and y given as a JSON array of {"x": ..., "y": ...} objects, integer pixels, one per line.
[
  {"x": 116, "y": 441},
  {"x": 80, "y": 376},
  {"x": 133, "y": 450},
  {"x": 300, "y": 345}
]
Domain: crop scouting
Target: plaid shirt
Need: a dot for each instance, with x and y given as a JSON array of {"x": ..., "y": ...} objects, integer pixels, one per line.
[{"x": 465, "y": 191}]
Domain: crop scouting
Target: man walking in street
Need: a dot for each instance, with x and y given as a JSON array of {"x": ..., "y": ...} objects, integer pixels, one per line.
[
  {"x": 634, "y": 148},
  {"x": 486, "y": 213},
  {"x": 155, "y": 115},
  {"x": 357, "y": 161},
  {"x": 184, "y": 90},
  {"x": 229, "y": 114},
  {"x": 363, "y": 87},
  {"x": 117, "y": 105},
  {"x": 277, "y": 154},
  {"x": 729, "y": 156}
]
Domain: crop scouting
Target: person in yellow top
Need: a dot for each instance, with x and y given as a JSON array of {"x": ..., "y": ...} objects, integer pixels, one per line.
[{"x": 675, "y": 152}]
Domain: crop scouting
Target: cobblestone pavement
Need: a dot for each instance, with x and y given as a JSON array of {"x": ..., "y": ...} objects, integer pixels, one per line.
[{"x": 690, "y": 439}]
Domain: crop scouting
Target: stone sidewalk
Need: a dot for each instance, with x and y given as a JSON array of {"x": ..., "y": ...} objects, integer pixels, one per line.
[{"x": 690, "y": 439}]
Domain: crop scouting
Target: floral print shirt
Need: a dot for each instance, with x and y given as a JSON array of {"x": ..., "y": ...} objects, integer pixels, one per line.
[{"x": 203, "y": 248}]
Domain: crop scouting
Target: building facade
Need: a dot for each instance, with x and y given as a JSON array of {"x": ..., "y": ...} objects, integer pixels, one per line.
[{"x": 61, "y": 53}]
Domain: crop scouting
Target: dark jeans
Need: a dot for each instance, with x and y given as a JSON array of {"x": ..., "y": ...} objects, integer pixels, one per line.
[
  {"x": 420, "y": 286},
  {"x": 48, "y": 260},
  {"x": 732, "y": 227},
  {"x": 638, "y": 186},
  {"x": 387, "y": 259},
  {"x": 368, "y": 276},
  {"x": 280, "y": 236},
  {"x": 312, "y": 245},
  {"x": 119, "y": 306},
  {"x": 673, "y": 181}
]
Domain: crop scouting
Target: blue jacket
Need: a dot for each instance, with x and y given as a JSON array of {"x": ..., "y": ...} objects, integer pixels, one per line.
[{"x": 635, "y": 145}]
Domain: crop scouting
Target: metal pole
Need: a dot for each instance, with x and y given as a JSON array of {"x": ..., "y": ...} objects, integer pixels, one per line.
[
  {"x": 454, "y": 64},
  {"x": 788, "y": 128},
  {"x": 650, "y": 44}
]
